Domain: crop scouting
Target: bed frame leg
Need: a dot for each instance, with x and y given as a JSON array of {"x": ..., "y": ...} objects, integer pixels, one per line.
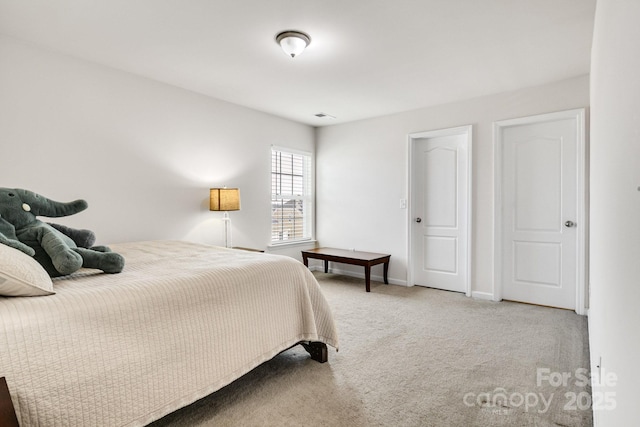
[
  {"x": 7, "y": 413},
  {"x": 317, "y": 350}
]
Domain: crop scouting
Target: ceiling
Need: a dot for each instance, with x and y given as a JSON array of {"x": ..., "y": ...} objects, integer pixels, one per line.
[{"x": 367, "y": 58}]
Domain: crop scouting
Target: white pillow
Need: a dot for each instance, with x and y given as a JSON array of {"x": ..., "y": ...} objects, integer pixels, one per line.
[{"x": 21, "y": 275}]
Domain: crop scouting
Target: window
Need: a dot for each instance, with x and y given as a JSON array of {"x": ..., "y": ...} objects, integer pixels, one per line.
[{"x": 291, "y": 196}]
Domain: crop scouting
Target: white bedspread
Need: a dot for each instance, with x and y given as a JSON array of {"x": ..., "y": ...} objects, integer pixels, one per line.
[{"x": 181, "y": 321}]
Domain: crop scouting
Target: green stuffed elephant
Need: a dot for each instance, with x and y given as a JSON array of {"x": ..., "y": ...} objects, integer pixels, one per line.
[
  {"x": 8, "y": 237},
  {"x": 56, "y": 252},
  {"x": 82, "y": 238}
]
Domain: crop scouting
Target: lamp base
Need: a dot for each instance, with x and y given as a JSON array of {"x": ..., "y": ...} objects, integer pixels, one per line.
[{"x": 227, "y": 229}]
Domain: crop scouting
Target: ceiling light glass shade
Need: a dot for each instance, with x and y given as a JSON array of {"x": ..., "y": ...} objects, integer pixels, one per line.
[{"x": 293, "y": 43}]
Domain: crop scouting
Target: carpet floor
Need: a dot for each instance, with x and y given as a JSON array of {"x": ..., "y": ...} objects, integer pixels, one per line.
[{"x": 417, "y": 357}]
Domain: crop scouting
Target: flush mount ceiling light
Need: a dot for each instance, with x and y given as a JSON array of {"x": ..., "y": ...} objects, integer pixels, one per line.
[{"x": 293, "y": 42}]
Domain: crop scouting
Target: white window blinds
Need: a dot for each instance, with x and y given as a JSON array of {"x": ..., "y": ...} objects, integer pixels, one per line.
[{"x": 291, "y": 196}]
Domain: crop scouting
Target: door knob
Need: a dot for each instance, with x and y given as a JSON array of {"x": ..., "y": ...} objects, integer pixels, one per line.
[
  {"x": 418, "y": 219},
  {"x": 569, "y": 224}
]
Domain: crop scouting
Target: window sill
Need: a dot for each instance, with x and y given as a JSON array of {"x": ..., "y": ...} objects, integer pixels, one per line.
[{"x": 294, "y": 243}]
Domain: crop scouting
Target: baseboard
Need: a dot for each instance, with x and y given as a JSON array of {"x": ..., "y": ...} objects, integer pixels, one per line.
[
  {"x": 482, "y": 295},
  {"x": 374, "y": 278},
  {"x": 319, "y": 267}
]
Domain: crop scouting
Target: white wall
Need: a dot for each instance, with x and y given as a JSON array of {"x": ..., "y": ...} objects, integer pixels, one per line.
[
  {"x": 614, "y": 315},
  {"x": 362, "y": 172},
  {"x": 142, "y": 153}
]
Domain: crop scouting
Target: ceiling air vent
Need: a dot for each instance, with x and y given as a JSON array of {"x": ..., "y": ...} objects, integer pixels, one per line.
[{"x": 324, "y": 115}]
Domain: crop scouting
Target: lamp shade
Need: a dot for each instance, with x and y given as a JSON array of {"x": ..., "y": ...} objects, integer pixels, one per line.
[{"x": 224, "y": 199}]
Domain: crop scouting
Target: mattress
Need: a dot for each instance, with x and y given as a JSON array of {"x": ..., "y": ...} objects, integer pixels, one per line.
[{"x": 180, "y": 322}]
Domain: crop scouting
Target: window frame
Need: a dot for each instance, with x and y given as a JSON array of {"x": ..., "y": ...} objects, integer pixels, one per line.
[{"x": 307, "y": 199}]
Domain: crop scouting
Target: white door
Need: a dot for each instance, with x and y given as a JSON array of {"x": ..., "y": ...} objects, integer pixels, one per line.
[
  {"x": 540, "y": 209},
  {"x": 440, "y": 209}
]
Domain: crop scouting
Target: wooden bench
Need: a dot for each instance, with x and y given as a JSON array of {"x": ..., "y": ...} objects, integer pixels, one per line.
[{"x": 364, "y": 259}]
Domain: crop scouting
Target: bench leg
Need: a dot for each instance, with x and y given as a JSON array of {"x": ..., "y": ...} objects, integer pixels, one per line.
[
  {"x": 367, "y": 277},
  {"x": 326, "y": 266},
  {"x": 386, "y": 270}
]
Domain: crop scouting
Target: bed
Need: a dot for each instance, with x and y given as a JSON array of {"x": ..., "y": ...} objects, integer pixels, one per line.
[{"x": 180, "y": 322}]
